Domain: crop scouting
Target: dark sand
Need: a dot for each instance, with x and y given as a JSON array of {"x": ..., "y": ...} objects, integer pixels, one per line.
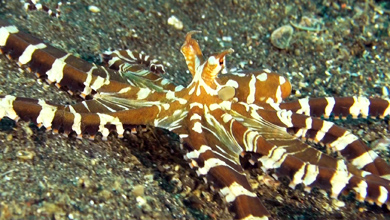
[{"x": 64, "y": 178}]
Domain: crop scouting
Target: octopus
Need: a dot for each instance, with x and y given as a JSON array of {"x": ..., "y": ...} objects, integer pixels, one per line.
[{"x": 221, "y": 117}]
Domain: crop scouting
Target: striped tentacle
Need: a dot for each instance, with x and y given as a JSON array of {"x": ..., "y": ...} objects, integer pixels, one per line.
[
  {"x": 139, "y": 69},
  {"x": 57, "y": 66},
  {"x": 337, "y": 138},
  {"x": 37, "y": 111},
  {"x": 118, "y": 59},
  {"x": 339, "y": 107},
  {"x": 340, "y": 140},
  {"x": 209, "y": 156},
  {"x": 32, "y": 5},
  {"x": 70, "y": 118},
  {"x": 192, "y": 53},
  {"x": 287, "y": 156},
  {"x": 340, "y": 179},
  {"x": 169, "y": 114}
]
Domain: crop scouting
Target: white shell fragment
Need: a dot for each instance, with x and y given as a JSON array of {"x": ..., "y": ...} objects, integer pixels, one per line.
[
  {"x": 281, "y": 37},
  {"x": 175, "y": 22},
  {"x": 93, "y": 9}
]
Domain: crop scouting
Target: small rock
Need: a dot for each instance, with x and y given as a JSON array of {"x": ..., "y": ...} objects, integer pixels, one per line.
[
  {"x": 142, "y": 203},
  {"x": 105, "y": 194},
  {"x": 175, "y": 22},
  {"x": 381, "y": 144},
  {"x": 138, "y": 190},
  {"x": 9, "y": 137},
  {"x": 51, "y": 208},
  {"x": 85, "y": 182},
  {"x": 149, "y": 178},
  {"x": 93, "y": 9},
  {"x": 337, "y": 203},
  {"x": 25, "y": 155},
  {"x": 279, "y": 199}
]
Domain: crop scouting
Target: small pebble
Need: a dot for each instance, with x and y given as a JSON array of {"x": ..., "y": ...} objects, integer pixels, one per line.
[
  {"x": 175, "y": 22},
  {"x": 138, "y": 190},
  {"x": 9, "y": 137},
  {"x": 105, "y": 194},
  {"x": 327, "y": 207},
  {"x": 337, "y": 203},
  {"x": 227, "y": 38},
  {"x": 50, "y": 208},
  {"x": 149, "y": 178},
  {"x": 381, "y": 144},
  {"x": 25, "y": 155},
  {"x": 85, "y": 182},
  {"x": 141, "y": 202},
  {"x": 93, "y": 9},
  {"x": 27, "y": 129},
  {"x": 279, "y": 199}
]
